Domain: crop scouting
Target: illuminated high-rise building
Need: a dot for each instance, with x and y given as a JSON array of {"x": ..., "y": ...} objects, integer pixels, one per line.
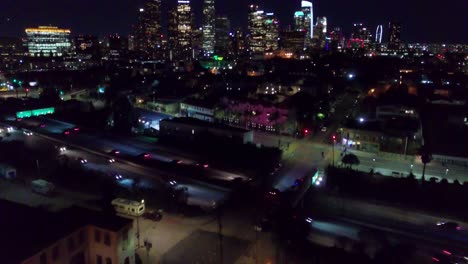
[
  {"x": 378, "y": 34},
  {"x": 87, "y": 47},
  {"x": 336, "y": 39},
  {"x": 257, "y": 30},
  {"x": 360, "y": 36},
  {"x": 320, "y": 31},
  {"x": 307, "y": 9},
  {"x": 148, "y": 32},
  {"x": 208, "y": 26},
  {"x": 172, "y": 29},
  {"x": 223, "y": 44},
  {"x": 394, "y": 30},
  {"x": 239, "y": 42},
  {"x": 299, "y": 21},
  {"x": 49, "y": 42},
  {"x": 118, "y": 47},
  {"x": 271, "y": 32},
  {"x": 184, "y": 30}
]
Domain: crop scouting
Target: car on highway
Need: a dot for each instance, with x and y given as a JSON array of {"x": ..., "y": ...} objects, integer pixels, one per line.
[
  {"x": 62, "y": 148},
  {"x": 110, "y": 160},
  {"x": 68, "y": 132},
  {"x": 153, "y": 215},
  {"x": 145, "y": 156},
  {"x": 114, "y": 152},
  {"x": 82, "y": 160},
  {"x": 41, "y": 125},
  {"x": 27, "y": 132},
  {"x": 176, "y": 161},
  {"x": 203, "y": 165},
  {"x": 117, "y": 176},
  {"x": 323, "y": 129},
  {"x": 448, "y": 226}
]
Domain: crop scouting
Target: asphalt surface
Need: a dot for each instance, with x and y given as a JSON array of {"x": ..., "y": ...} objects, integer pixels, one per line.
[{"x": 149, "y": 177}]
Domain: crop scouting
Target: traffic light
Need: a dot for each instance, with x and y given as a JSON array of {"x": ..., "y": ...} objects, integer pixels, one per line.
[
  {"x": 333, "y": 137},
  {"x": 14, "y": 80}
]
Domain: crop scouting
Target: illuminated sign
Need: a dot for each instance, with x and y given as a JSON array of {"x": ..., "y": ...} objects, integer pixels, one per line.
[{"x": 35, "y": 112}]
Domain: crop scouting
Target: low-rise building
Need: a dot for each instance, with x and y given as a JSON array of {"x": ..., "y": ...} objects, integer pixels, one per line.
[
  {"x": 190, "y": 129},
  {"x": 74, "y": 235},
  {"x": 396, "y": 135},
  {"x": 197, "y": 109}
]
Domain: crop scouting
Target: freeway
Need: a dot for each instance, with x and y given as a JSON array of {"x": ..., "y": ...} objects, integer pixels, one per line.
[
  {"x": 86, "y": 160},
  {"x": 129, "y": 148},
  {"x": 425, "y": 242}
]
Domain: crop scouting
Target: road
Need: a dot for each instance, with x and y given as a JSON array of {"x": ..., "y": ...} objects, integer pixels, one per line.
[
  {"x": 128, "y": 147},
  {"x": 147, "y": 175}
]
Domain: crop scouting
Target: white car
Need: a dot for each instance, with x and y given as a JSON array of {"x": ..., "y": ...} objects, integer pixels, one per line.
[{"x": 27, "y": 133}]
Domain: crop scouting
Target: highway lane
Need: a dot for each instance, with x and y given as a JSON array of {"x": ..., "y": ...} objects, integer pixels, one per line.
[
  {"x": 149, "y": 177},
  {"x": 130, "y": 147},
  {"x": 428, "y": 241}
]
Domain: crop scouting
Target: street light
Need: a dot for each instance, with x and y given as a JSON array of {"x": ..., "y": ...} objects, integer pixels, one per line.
[{"x": 446, "y": 172}]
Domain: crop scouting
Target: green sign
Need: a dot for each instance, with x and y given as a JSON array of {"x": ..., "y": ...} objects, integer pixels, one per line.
[{"x": 35, "y": 112}]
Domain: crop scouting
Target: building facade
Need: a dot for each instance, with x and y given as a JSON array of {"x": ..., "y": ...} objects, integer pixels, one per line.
[
  {"x": 272, "y": 32},
  {"x": 47, "y": 41},
  {"x": 148, "y": 31},
  {"x": 73, "y": 235},
  {"x": 223, "y": 43},
  {"x": 394, "y": 30},
  {"x": 208, "y": 27},
  {"x": 257, "y": 30},
  {"x": 183, "y": 49}
]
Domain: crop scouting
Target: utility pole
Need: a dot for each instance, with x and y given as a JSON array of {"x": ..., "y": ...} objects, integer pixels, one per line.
[{"x": 333, "y": 150}]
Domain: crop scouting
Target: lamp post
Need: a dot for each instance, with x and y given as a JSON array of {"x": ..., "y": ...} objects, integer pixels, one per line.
[
  {"x": 446, "y": 172},
  {"x": 411, "y": 168}
]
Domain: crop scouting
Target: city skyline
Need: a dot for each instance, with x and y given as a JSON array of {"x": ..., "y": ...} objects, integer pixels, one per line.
[{"x": 88, "y": 18}]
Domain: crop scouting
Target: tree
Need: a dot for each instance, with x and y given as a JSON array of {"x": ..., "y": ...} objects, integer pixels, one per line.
[
  {"x": 50, "y": 96},
  {"x": 426, "y": 157},
  {"x": 350, "y": 160}
]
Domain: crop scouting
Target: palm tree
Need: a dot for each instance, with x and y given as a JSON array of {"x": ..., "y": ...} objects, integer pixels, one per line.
[{"x": 426, "y": 157}]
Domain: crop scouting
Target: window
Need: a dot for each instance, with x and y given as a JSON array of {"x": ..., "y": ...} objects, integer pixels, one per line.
[
  {"x": 108, "y": 261},
  {"x": 55, "y": 253},
  {"x": 107, "y": 239},
  {"x": 98, "y": 259},
  {"x": 71, "y": 243},
  {"x": 43, "y": 258},
  {"x": 97, "y": 236}
]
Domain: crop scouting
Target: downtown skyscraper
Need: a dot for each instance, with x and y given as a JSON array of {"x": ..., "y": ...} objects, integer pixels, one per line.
[
  {"x": 208, "y": 27},
  {"x": 257, "y": 30},
  {"x": 183, "y": 40},
  {"x": 148, "y": 31},
  {"x": 394, "y": 30}
]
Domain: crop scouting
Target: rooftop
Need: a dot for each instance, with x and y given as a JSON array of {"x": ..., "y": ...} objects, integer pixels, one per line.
[
  {"x": 27, "y": 230},
  {"x": 201, "y": 123}
]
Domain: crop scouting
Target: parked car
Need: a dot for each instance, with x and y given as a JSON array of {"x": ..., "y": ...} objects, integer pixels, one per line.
[{"x": 153, "y": 215}]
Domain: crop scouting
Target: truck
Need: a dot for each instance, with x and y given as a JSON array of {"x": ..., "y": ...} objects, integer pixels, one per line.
[
  {"x": 42, "y": 187},
  {"x": 7, "y": 171}
]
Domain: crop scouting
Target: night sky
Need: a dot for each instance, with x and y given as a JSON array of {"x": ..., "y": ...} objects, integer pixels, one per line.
[{"x": 422, "y": 20}]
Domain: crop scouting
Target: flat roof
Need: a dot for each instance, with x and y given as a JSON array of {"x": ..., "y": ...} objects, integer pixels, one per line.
[
  {"x": 201, "y": 123},
  {"x": 25, "y": 231}
]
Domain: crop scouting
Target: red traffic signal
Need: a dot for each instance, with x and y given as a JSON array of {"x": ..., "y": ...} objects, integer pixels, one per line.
[
  {"x": 306, "y": 131},
  {"x": 334, "y": 138}
]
